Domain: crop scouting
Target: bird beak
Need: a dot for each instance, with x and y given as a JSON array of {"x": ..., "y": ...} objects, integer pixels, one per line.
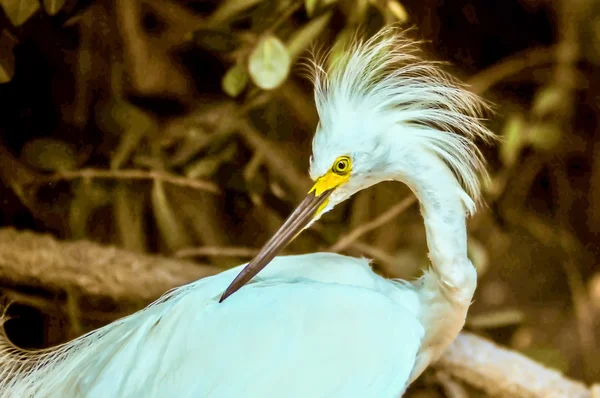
[{"x": 308, "y": 210}]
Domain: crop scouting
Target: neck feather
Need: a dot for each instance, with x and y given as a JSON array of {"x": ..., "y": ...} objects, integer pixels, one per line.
[
  {"x": 445, "y": 291},
  {"x": 444, "y": 206}
]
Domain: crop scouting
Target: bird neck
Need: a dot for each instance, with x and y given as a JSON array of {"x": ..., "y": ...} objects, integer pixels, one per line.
[
  {"x": 444, "y": 207},
  {"x": 446, "y": 289}
]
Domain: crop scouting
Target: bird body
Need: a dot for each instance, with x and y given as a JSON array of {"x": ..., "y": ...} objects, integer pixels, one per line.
[
  {"x": 320, "y": 324},
  {"x": 323, "y": 330}
]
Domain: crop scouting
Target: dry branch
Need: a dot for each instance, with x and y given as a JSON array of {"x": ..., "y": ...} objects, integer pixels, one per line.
[
  {"x": 504, "y": 373},
  {"x": 123, "y": 174},
  {"x": 29, "y": 259},
  {"x": 216, "y": 251},
  {"x": 384, "y": 218},
  {"x": 34, "y": 260}
]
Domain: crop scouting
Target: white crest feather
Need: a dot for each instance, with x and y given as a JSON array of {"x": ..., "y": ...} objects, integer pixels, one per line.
[{"x": 386, "y": 79}]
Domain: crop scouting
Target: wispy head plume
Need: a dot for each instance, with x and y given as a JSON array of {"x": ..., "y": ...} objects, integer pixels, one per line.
[{"x": 386, "y": 80}]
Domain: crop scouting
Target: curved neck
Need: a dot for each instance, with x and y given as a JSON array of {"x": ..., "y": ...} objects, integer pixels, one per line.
[
  {"x": 445, "y": 291},
  {"x": 444, "y": 208}
]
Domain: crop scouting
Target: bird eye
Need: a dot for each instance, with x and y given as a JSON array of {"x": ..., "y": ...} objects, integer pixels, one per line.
[{"x": 341, "y": 165}]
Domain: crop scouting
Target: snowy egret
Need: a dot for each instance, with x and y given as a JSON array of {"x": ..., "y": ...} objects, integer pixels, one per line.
[{"x": 322, "y": 324}]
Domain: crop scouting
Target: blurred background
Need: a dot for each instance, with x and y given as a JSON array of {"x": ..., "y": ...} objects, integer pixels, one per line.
[{"x": 183, "y": 128}]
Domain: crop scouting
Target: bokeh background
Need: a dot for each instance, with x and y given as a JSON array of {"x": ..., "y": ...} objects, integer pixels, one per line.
[{"x": 183, "y": 128}]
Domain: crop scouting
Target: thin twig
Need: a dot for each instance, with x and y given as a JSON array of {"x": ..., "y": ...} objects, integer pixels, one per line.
[
  {"x": 451, "y": 387},
  {"x": 375, "y": 253},
  {"x": 214, "y": 251},
  {"x": 73, "y": 310},
  {"x": 253, "y": 165},
  {"x": 132, "y": 174},
  {"x": 384, "y": 218},
  {"x": 249, "y": 173},
  {"x": 285, "y": 15}
]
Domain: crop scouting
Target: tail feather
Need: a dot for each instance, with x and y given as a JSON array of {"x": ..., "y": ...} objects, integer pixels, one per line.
[{"x": 68, "y": 369}]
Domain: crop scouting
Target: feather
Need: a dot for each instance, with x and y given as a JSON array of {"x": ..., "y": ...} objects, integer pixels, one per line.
[
  {"x": 385, "y": 81},
  {"x": 287, "y": 333}
]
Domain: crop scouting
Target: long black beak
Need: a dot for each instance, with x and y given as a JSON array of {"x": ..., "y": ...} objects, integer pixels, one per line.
[{"x": 296, "y": 222}]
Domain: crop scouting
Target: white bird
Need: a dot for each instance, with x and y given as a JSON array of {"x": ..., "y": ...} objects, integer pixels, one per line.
[{"x": 321, "y": 324}]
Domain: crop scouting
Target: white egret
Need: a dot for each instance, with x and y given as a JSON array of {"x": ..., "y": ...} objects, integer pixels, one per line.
[{"x": 321, "y": 324}]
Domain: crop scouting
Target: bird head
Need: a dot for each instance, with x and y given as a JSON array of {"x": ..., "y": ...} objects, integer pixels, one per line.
[{"x": 382, "y": 109}]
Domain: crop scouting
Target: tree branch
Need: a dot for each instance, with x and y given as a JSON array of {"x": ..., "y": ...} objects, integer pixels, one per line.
[
  {"x": 216, "y": 251},
  {"x": 28, "y": 259},
  {"x": 132, "y": 174},
  {"x": 504, "y": 373},
  {"x": 384, "y": 218}
]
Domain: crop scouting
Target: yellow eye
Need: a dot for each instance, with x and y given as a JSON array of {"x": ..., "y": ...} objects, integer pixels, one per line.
[{"x": 342, "y": 165}]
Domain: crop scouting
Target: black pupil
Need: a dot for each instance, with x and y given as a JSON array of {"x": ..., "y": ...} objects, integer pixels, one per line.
[{"x": 341, "y": 165}]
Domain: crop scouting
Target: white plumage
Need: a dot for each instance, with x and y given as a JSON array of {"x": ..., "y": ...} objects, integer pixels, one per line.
[
  {"x": 322, "y": 324},
  {"x": 253, "y": 344}
]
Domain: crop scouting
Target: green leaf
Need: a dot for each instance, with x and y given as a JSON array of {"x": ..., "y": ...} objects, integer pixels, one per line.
[
  {"x": 341, "y": 44},
  {"x": 356, "y": 11},
  {"x": 311, "y": 6},
  {"x": 49, "y": 154},
  {"x": 208, "y": 165},
  {"x": 128, "y": 121},
  {"x": 194, "y": 139},
  {"x": 544, "y": 136},
  {"x": 7, "y": 67},
  {"x": 216, "y": 40},
  {"x": 204, "y": 167},
  {"x": 19, "y": 11},
  {"x": 304, "y": 36},
  {"x": 229, "y": 9},
  {"x": 128, "y": 144},
  {"x": 53, "y": 6},
  {"x": 137, "y": 125},
  {"x": 89, "y": 196},
  {"x": 128, "y": 208},
  {"x": 235, "y": 80},
  {"x": 131, "y": 117},
  {"x": 513, "y": 140},
  {"x": 79, "y": 212},
  {"x": 397, "y": 10},
  {"x": 172, "y": 231},
  {"x": 548, "y": 100},
  {"x": 269, "y": 64},
  {"x": 7, "y": 57},
  {"x": 256, "y": 185}
]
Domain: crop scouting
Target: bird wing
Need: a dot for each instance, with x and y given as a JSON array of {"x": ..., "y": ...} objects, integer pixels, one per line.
[{"x": 318, "y": 325}]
